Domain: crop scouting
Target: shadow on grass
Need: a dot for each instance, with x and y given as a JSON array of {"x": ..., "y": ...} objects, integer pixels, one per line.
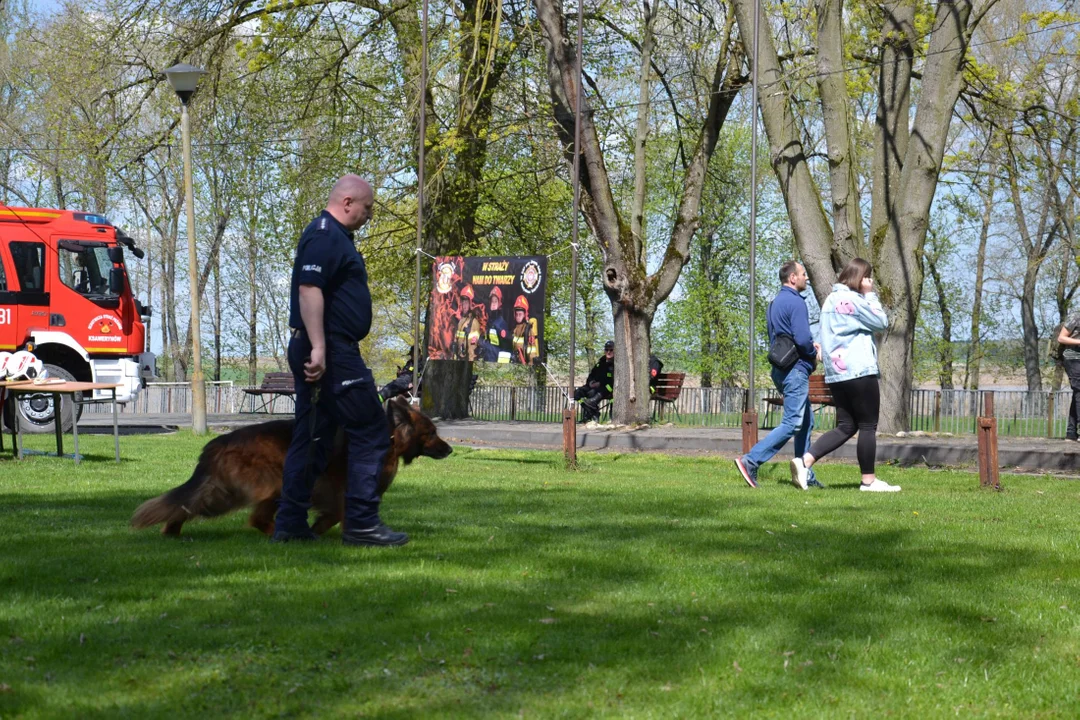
[{"x": 507, "y": 597}]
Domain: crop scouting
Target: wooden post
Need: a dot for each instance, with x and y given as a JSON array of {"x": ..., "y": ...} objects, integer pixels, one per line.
[
  {"x": 1050, "y": 415},
  {"x": 569, "y": 436},
  {"x": 988, "y": 449},
  {"x": 937, "y": 411},
  {"x": 513, "y": 404},
  {"x": 749, "y": 424}
]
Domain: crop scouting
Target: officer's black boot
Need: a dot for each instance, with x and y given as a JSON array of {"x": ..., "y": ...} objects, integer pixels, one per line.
[{"x": 380, "y": 535}]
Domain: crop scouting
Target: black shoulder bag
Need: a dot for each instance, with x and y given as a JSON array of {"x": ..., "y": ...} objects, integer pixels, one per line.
[{"x": 782, "y": 351}]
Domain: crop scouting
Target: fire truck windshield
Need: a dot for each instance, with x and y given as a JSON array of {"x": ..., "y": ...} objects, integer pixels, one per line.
[{"x": 84, "y": 267}]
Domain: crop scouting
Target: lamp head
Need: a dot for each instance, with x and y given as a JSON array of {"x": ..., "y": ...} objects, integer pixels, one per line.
[{"x": 184, "y": 79}]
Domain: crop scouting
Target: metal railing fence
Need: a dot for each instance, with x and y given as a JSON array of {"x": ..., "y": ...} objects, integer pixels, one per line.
[
  {"x": 222, "y": 397},
  {"x": 1019, "y": 413}
]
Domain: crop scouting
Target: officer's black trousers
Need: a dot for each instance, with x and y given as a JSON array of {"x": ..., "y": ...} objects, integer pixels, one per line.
[{"x": 347, "y": 399}]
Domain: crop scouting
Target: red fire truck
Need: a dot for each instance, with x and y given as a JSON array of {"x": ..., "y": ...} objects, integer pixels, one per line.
[{"x": 65, "y": 296}]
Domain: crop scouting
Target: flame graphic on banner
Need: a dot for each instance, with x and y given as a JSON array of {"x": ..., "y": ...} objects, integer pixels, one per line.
[{"x": 444, "y": 310}]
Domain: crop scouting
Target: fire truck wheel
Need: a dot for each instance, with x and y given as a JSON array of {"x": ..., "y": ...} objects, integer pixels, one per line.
[{"x": 36, "y": 411}]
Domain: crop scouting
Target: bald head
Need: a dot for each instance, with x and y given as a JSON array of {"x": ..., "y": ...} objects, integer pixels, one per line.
[{"x": 350, "y": 201}]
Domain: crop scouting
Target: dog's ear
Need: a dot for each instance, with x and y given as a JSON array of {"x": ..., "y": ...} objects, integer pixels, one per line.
[{"x": 399, "y": 413}]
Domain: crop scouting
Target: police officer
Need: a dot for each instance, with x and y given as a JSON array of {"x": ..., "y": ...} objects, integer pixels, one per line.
[
  {"x": 330, "y": 312},
  {"x": 526, "y": 343},
  {"x": 599, "y": 385},
  {"x": 468, "y": 328}
]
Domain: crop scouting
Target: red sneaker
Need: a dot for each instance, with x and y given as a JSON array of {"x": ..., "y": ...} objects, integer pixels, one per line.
[{"x": 746, "y": 474}]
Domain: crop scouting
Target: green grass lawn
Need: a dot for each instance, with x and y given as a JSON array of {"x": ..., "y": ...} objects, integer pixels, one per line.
[{"x": 640, "y": 586}]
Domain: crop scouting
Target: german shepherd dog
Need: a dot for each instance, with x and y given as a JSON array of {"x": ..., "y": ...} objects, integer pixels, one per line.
[{"x": 245, "y": 466}]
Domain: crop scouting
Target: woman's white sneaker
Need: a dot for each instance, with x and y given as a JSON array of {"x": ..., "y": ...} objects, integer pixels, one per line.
[
  {"x": 798, "y": 473},
  {"x": 879, "y": 486}
]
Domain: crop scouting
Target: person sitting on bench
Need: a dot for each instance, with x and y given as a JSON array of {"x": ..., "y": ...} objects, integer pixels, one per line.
[
  {"x": 403, "y": 382},
  {"x": 599, "y": 384},
  {"x": 656, "y": 365}
]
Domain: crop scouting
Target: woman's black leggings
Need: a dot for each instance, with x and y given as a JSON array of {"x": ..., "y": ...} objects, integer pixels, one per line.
[{"x": 857, "y": 404}]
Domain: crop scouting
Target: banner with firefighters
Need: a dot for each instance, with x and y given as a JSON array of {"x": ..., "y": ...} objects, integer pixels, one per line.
[{"x": 488, "y": 309}]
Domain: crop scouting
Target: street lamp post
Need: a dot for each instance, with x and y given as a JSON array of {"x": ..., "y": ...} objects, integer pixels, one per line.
[
  {"x": 749, "y": 424},
  {"x": 184, "y": 79}
]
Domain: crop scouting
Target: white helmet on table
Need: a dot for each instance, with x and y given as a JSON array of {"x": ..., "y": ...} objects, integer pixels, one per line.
[{"x": 23, "y": 365}]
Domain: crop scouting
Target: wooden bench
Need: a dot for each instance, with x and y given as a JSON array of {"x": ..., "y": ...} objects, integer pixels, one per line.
[
  {"x": 273, "y": 385},
  {"x": 668, "y": 388},
  {"x": 819, "y": 395}
]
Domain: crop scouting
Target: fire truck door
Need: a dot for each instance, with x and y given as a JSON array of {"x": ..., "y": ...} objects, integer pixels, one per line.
[
  {"x": 28, "y": 263},
  {"x": 8, "y": 339}
]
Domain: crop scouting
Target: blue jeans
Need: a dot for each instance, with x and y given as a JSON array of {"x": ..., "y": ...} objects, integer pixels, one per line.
[{"x": 797, "y": 422}]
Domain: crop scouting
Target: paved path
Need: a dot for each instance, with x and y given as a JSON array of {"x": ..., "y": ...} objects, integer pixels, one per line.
[{"x": 1027, "y": 454}]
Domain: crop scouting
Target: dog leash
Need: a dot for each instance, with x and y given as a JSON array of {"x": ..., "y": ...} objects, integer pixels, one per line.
[{"x": 311, "y": 429}]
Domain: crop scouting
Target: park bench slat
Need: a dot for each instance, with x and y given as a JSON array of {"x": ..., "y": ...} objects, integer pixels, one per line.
[
  {"x": 273, "y": 384},
  {"x": 668, "y": 389}
]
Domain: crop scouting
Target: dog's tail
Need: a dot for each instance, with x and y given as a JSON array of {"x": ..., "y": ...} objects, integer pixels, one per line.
[{"x": 200, "y": 496}]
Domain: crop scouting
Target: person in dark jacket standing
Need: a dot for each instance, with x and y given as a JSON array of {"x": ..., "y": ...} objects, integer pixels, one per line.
[
  {"x": 329, "y": 313},
  {"x": 787, "y": 315},
  {"x": 1069, "y": 338}
]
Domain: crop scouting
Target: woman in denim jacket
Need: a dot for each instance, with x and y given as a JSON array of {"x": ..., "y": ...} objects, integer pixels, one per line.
[{"x": 849, "y": 318}]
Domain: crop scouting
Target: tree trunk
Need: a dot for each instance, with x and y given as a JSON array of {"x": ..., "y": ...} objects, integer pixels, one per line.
[
  {"x": 801, "y": 196},
  {"x": 945, "y": 349},
  {"x": 707, "y": 327},
  {"x": 641, "y": 132},
  {"x": 899, "y": 273},
  {"x": 445, "y": 390},
  {"x": 905, "y": 184},
  {"x": 217, "y": 318},
  {"x": 893, "y": 116},
  {"x": 1032, "y": 357},
  {"x": 632, "y": 344},
  {"x": 835, "y": 105},
  {"x": 633, "y": 293},
  {"x": 1035, "y": 248},
  {"x": 253, "y": 319},
  {"x": 454, "y": 170},
  {"x": 179, "y": 362},
  {"x": 162, "y": 313},
  {"x": 211, "y": 262}
]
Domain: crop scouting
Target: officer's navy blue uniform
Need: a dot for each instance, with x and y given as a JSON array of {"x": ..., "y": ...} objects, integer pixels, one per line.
[{"x": 346, "y": 398}]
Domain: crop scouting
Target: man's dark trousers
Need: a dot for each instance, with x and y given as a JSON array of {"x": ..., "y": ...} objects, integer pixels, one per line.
[
  {"x": 347, "y": 398},
  {"x": 1072, "y": 371}
]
